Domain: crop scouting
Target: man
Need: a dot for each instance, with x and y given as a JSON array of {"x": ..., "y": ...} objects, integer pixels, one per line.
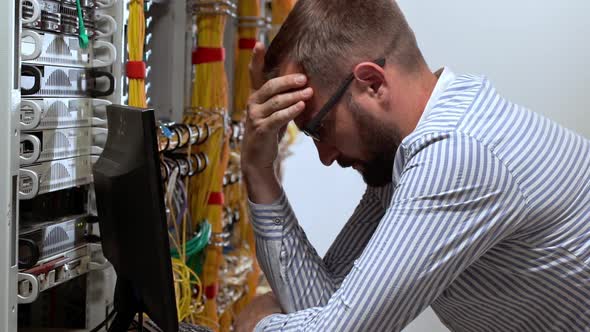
[{"x": 474, "y": 206}]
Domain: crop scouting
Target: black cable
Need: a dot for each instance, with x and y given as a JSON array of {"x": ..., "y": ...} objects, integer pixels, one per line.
[{"x": 104, "y": 322}]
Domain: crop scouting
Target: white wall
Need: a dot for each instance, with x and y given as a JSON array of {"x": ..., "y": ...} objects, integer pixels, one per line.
[{"x": 536, "y": 52}]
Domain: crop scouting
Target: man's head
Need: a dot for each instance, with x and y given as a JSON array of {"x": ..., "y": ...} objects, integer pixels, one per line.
[{"x": 329, "y": 40}]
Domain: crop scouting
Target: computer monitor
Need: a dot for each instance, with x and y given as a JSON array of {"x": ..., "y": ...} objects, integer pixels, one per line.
[{"x": 132, "y": 219}]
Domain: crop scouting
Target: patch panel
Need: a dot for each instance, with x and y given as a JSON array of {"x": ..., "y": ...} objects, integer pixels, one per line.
[
  {"x": 51, "y": 81},
  {"x": 39, "y": 146},
  {"x": 47, "y": 48},
  {"x": 54, "y": 175},
  {"x": 39, "y": 241},
  {"x": 62, "y": 17},
  {"x": 53, "y": 113},
  {"x": 58, "y": 269}
]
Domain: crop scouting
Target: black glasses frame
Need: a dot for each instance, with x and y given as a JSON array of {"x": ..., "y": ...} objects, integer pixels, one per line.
[{"x": 312, "y": 127}]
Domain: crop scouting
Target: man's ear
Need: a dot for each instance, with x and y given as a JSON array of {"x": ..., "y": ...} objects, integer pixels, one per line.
[{"x": 370, "y": 75}]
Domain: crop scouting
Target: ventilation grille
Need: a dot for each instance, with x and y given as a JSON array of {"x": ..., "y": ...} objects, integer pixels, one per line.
[
  {"x": 60, "y": 122},
  {"x": 58, "y": 172},
  {"x": 57, "y": 109},
  {"x": 59, "y": 177},
  {"x": 71, "y": 11},
  {"x": 61, "y": 92},
  {"x": 56, "y": 241},
  {"x": 58, "y": 47},
  {"x": 58, "y": 78},
  {"x": 58, "y": 141},
  {"x": 60, "y": 115},
  {"x": 60, "y": 61},
  {"x": 58, "y": 145}
]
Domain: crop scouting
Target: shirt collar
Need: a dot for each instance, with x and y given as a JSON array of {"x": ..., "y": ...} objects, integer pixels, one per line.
[{"x": 445, "y": 78}]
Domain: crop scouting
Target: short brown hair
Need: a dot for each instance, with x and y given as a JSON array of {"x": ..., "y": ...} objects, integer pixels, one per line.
[{"x": 328, "y": 37}]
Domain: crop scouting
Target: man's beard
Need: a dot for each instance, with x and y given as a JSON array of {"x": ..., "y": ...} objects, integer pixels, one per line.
[{"x": 379, "y": 142}]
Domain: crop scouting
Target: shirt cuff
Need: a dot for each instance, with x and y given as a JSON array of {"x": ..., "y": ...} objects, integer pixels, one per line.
[{"x": 272, "y": 221}]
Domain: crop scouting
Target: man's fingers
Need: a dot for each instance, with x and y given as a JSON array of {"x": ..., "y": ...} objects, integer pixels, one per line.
[
  {"x": 282, "y": 101},
  {"x": 256, "y": 66},
  {"x": 281, "y": 118},
  {"x": 279, "y": 85}
]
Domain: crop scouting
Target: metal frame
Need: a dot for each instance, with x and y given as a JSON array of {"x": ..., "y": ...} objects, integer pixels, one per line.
[
  {"x": 99, "y": 296},
  {"x": 169, "y": 78},
  {"x": 9, "y": 129}
]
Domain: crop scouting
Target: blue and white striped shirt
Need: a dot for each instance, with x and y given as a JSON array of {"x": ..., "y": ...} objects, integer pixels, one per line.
[{"x": 487, "y": 220}]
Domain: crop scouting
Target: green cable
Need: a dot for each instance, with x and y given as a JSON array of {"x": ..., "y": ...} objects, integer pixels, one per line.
[
  {"x": 196, "y": 244},
  {"x": 82, "y": 36},
  {"x": 195, "y": 262}
]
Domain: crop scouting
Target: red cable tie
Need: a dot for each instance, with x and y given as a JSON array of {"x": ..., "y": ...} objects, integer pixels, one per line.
[
  {"x": 208, "y": 54},
  {"x": 216, "y": 198},
  {"x": 211, "y": 291},
  {"x": 135, "y": 69},
  {"x": 246, "y": 43}
]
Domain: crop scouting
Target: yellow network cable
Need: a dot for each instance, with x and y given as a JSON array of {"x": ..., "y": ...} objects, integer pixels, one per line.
[
  {"x": 209, "y": 105},
  {"x": 247, "y": 35},
  {"x": 249, "y": 20},
  {"x": 187, "y": 284},
  {"x": 135, "y": 40},
  {"x": 280, "y": 11}
]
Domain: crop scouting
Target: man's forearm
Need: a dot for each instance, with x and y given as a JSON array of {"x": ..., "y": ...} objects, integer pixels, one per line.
[
  {"x": 281, "y": 248},
  {"x": 263, "y": 185}
]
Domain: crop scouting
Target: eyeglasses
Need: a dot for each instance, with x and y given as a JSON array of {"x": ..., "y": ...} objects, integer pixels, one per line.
[{"x": 312, "y": 128}]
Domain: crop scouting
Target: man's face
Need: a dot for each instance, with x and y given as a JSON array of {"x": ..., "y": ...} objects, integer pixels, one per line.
[
  {"x": 352, "y": 135},
  {"x": 380, "y": 146}
]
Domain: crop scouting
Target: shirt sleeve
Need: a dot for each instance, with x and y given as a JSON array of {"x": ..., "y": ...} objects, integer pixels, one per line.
[
  {"x": 299, "y": 277},
  {"x": 454, "y": 201}
]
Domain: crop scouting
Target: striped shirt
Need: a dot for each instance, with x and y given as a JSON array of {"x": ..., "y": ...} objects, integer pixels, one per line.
[{"x": 487, "y": 220}]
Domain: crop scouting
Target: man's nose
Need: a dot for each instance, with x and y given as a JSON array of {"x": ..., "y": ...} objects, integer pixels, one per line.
[{"x": 327, "y": 153}]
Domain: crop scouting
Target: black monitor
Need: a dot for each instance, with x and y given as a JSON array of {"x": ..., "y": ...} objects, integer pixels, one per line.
[{"x": 132, "y": 219}]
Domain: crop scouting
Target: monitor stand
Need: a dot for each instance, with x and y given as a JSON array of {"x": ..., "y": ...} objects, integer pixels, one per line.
[{"x": 126, "y": 307}]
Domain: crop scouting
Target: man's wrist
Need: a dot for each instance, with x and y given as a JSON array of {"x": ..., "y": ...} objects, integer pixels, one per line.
[{"x": 262, "y": 184}]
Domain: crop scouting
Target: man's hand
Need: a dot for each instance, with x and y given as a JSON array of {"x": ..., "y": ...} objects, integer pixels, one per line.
[
  {"x": 270, "y": 108},
  {"x": 255, "y": 311}
]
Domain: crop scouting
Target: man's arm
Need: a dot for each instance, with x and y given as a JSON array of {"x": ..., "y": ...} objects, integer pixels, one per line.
[
  {"x": 299, "y": 277},
  {"x": 454, "y": 201},
  {"x": 282, "y": 244},
  {"x": 354, "y": 236}
]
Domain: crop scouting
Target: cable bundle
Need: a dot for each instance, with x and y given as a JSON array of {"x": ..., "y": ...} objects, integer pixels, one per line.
[
  {"x": 249, "y": 20},
  {"x": 187, "y": 284},
  {"x": 135, "y": 65},
  {"x": 209, "y": 105},
  {"x": 280, "y": 11},
  {"x": 248, "y": 28}
]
